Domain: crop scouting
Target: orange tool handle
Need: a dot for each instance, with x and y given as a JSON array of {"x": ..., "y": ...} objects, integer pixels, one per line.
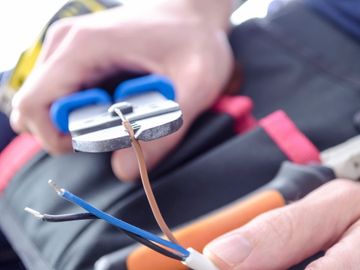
[
  {"x": 200, "y": 232},
  {"x": 292, "y": 182}
]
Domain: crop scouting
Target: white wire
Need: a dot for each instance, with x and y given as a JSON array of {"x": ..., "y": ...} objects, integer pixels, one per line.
[{"x": 198, "y": 261}]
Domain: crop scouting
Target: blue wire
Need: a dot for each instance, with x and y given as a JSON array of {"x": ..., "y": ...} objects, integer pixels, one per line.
[{"x": 122, "y": 224}]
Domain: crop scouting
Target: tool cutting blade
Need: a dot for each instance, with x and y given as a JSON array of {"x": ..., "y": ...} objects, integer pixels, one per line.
[
  {"x": 96, "y": 129},
  {"x": 116, "y": 137}
]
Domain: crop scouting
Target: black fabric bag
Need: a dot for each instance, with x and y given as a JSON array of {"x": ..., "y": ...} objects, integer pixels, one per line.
[{"x": 293, "y": 60}]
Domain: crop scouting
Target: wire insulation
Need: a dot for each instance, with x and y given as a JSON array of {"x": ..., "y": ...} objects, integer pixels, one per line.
[
  {"x": 122, "y": 224},
  {"x": 89, "y": 216},
  {"x": 146, "y": 238},
  {"x": 68, "y": 217},
  {"x": 145, "y": 179}
]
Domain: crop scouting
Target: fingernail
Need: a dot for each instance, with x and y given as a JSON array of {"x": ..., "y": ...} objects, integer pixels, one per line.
[{"x": 230, "y": 250}]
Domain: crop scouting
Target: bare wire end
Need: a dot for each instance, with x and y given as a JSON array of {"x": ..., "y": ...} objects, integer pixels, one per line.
[
  {"x": 34, "y": 213},
  {"x": 126, "y": 123},
  {"x": 120, "y": 114},
  {"x": 58, "y": 190}
]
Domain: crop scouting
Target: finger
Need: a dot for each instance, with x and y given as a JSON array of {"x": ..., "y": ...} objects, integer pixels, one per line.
[
  {"x": 64, "y": 72},
  {"x": 16, "y": 121},
  {"x": 53, "y": 37},
  {"x": 343, "y": 255},
  {"x": 124, "y": 162},
  {"x": 286, "y": 236},
  {"x": 50, "y": 139},
  {"x": 54, "y": 142},
  {"x": 31, "y": 113}
]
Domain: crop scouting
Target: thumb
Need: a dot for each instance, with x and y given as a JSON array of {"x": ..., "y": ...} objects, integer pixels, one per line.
[
  {"x": 284, "y": 237},
  {"x": 124, "y": 161}
]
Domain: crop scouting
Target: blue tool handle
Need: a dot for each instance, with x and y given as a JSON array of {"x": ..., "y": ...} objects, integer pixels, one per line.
[
  {"x": 61, "y": 109},
  {"x": 145, "y": 84}
]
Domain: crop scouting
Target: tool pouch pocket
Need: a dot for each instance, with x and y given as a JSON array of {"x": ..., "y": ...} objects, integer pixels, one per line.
[
  {"x": 90, "y": 176},
  {"x": 212, "y": 172},
  {"x": 214, "y": 165}
]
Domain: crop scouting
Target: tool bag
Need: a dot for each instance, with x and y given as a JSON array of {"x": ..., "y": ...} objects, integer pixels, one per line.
[
  {"x": 6, "y": 133},
  {"x": 288, "y": 64}
]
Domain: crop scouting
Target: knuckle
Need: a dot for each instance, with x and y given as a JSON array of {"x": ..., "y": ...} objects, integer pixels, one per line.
[
  {"x": 23, "y": 106},
  {"x": 315, "y": 266},
  {"x": 82, "y": 34},
  {"x": 58, "y": 29},
  {"x": 345, "y": 188},
  {"x": 16, "y": 122},
  {"x": 342, "y": 184},
  {"x": 330, "y": 262},
  {"x": 280, "y": 224}
]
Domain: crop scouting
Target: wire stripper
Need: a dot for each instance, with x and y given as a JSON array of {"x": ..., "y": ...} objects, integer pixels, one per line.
[{"x": 147, "y": 103}]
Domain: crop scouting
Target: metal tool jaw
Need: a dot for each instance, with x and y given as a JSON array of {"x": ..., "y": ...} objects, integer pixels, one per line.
[
  {"x": 89, "y": 116},
  {"x": 98, "y": 129}
]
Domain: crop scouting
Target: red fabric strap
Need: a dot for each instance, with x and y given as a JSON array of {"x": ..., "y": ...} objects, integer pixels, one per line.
[
  {"x": 239, "y": 108},
  {"x": 15, "y": 155},
  {"x": 292, "y": 142}
]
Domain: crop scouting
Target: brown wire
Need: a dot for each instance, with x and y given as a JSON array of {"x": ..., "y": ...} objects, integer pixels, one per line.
[{"x": 145, "y": 179}]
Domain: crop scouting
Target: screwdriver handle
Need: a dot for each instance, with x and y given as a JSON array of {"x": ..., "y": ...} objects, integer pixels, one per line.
[{"x": 294, "y": 181}]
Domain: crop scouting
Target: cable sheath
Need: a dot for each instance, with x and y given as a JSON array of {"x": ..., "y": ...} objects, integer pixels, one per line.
[
  {"x": 122, "y": 224},
  {"x": 145, "y": 180}
]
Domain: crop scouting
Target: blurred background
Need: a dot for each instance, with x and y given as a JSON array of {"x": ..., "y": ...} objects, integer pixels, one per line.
[
  {"x": 22, "y": 20},
  {"x": 20, "y": 23}
]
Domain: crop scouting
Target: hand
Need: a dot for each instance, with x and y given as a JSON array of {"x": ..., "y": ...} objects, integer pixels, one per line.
[
  {"x": 328, "y": 220},
  {"x": 184, "y": 40}
]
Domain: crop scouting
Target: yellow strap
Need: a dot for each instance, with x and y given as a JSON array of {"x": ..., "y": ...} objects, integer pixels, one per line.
[
  {"x": 24, "y": 66},
  {"x": 28, "y": 58},
  {"x": 93, "y": 5}
]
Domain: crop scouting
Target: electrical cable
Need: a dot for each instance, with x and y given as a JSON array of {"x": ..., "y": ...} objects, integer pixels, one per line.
[
  {"x": 89, "y": 216},
  {"x": 145, "y": 178},
  {"x": 154, "y": 246},
  {"x": 60, "y": 218},
  {"x": 118, "y": 222},
  {"x": 148, "y": 239}
]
